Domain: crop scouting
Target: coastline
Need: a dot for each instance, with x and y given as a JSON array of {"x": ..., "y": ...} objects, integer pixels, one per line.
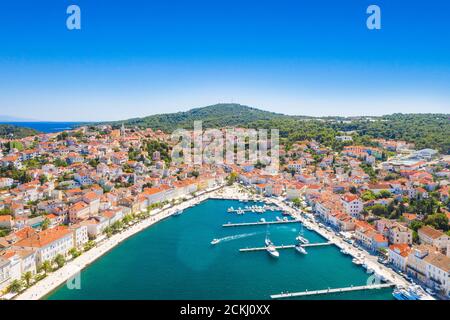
[
  {"x": 57, "y": 278},
  {"x": 54, "y": 280}
]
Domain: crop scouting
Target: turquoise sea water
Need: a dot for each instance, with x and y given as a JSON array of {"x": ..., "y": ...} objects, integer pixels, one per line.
[{"x": 175, "y": 260}]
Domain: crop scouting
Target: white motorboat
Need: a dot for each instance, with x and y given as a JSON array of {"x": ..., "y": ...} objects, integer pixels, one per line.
[
  {"x": 300, "y": 249},
  {"x": 178, "y": 212},
  {"x": 413, "y": 292},
  {"x": 215, "y": 241},
  {"x": 272, "y": 251},
  {"x": 430, "y": 291},
  {"x": 302, "y": 239}
]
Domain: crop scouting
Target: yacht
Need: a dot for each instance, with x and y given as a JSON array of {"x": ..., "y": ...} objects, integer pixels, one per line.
[
  {"x": 430, "y": 291},
  {"x": 215, "y": 241},
  {"x": 230, "y": 209},
  {"x": 302, "y": 239},
  {"x": 279, "y": 219},
  {"x": 401, "y": 294},
  {"x": 413, "y": 292},
  {"x": 356, "y": 261},
  {"x": 272, "y": 251},
  {"x": 300, "y": 249},
  {"x": 262, "y": 220}
]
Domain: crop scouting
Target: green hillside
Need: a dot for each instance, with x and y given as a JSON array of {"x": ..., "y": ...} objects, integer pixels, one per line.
[
  {"x": 215, "y": 116},
  {"x": 425, "y": 130},
  {"x": 16, "y": 132}
]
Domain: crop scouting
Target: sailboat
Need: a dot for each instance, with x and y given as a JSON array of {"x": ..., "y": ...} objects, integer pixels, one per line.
[
  {"x": 267, "y": 241},
  {"x": 270, "y": 247},
  {"x": 300, "y": 236}
]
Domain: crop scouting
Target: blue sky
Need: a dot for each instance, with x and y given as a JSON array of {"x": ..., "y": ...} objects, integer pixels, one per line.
[{"x": 136, "y": 57}]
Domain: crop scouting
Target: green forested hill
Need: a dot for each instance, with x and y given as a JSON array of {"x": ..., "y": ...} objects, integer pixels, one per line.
[
  {"x": 425, "y": 130},
  {"x": 215, "y": 116},
  {"x": 12, "y": 131}
]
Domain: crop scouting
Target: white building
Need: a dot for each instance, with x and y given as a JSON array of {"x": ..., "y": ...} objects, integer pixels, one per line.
[
  {"x": 352, "y": 205},
  {"x": 48, "y": 243}
]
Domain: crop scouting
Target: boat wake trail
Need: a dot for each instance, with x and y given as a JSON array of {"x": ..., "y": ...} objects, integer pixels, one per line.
[{"x": 238, "y": 236}]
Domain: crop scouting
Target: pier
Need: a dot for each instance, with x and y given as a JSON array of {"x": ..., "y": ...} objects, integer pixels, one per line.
[
  {"x": 291, "y": 246},
  {"x": 326, "y": 291},
  {"x": 259, "y": 223}
]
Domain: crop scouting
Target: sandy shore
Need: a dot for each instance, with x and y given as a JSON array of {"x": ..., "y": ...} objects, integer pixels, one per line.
[{"x": 73, "y": 267}]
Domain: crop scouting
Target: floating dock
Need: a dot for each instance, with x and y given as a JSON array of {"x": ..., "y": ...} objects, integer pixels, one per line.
[
  {"x": 259, "y": 223},
  {"x": 291, "y": 246},
  {"x": 327, "y": 291}
]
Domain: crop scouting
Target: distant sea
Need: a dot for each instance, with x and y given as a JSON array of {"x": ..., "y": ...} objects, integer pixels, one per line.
[{"x": 46, "y": 127}]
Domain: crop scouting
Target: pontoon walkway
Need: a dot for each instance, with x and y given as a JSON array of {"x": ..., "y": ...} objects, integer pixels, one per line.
[{"x": 326, "y": 291}]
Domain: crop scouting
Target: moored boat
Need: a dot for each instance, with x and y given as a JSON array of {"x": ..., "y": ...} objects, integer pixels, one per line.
[
  {"x": 302, "y": 239},
  {"x": 300, "y": 249},
  {"x": 413, "y": 292},
  {"x": 272, "y": 251},
  {"x": 178, "y": 212}
]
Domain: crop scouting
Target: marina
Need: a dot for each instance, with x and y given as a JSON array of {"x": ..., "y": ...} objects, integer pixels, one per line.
[
  {"x": 182, "y": 240},
  {"x": 253, "y": 208},
  {"x": 258, "y": 223},
  {"x": 291, "y": 246}
]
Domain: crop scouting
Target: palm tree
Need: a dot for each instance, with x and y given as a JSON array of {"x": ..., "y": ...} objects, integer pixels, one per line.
[
  {"x": 15, "y": 286},
  {"x": 45, "y": 224},
  {"x": 60, "y": 260},
  {"x": 27, "y": 276},
  {"x": 74, "y": 252},
  {"x": 47, "y": 266}
]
